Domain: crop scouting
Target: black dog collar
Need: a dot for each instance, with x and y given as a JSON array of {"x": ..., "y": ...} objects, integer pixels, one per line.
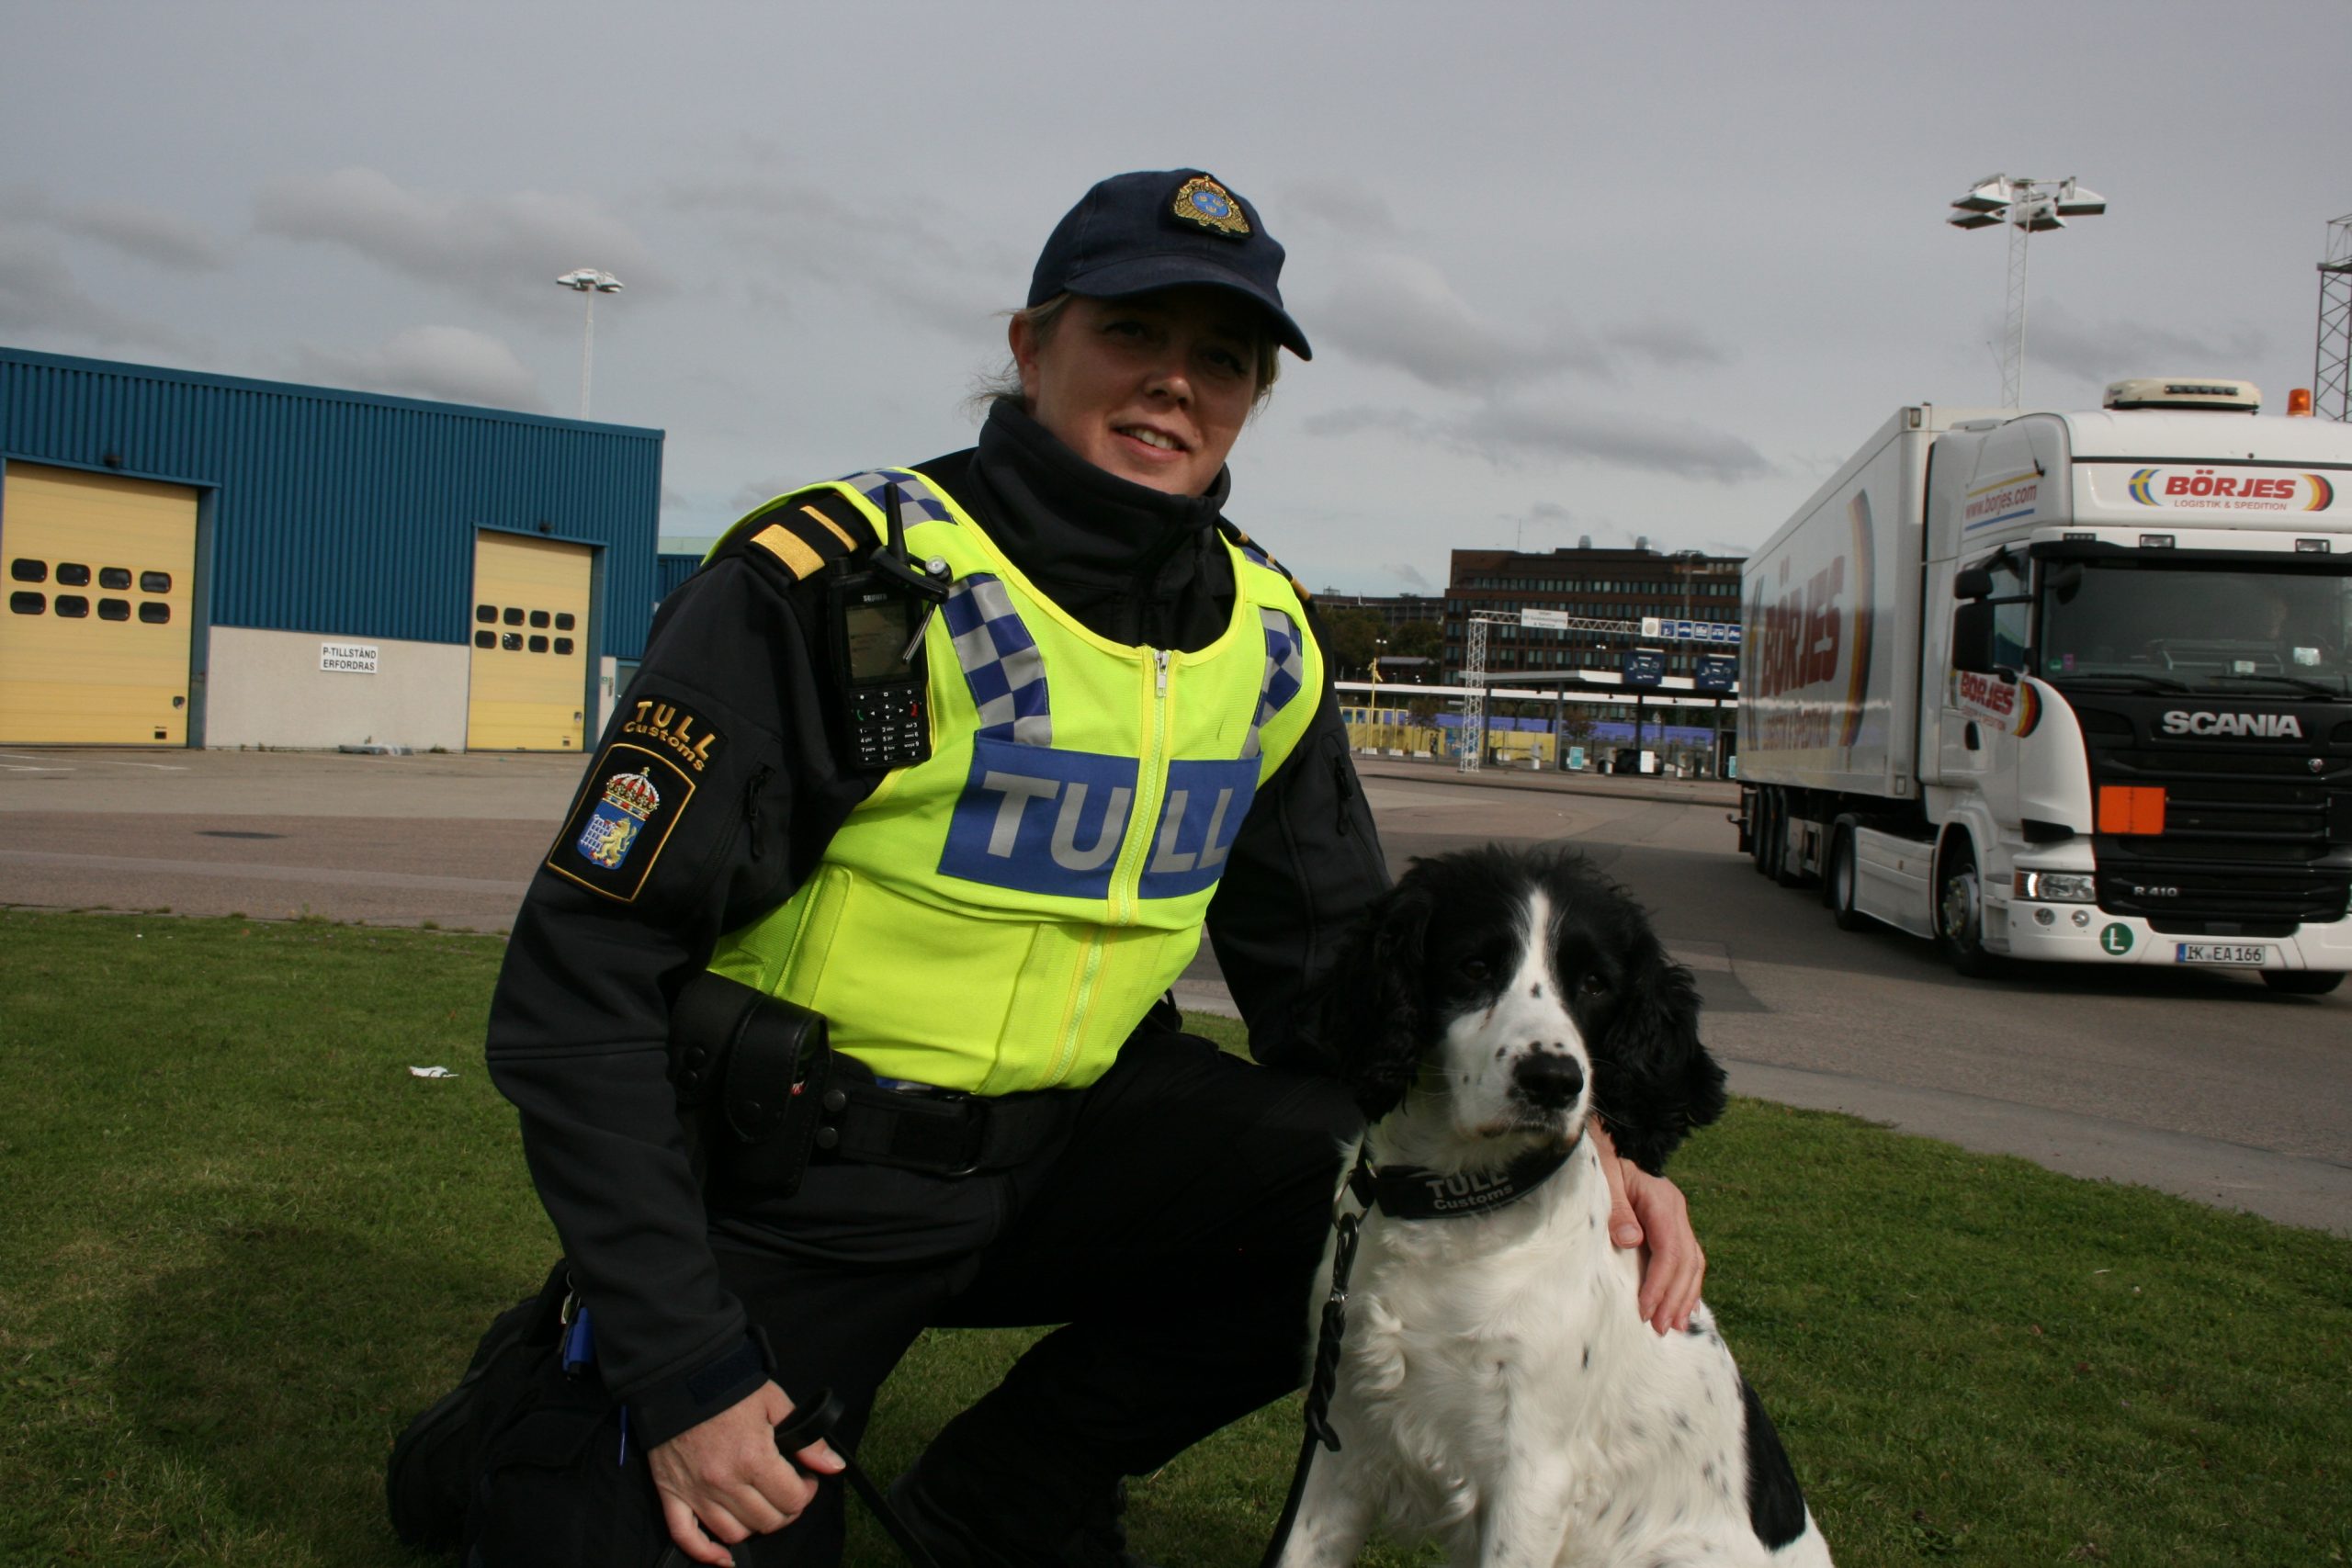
[{"x": 1417, "y": 1192}]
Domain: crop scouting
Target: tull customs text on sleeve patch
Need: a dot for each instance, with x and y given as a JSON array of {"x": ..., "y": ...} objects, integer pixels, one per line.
[{"x": 634, "y": 800}]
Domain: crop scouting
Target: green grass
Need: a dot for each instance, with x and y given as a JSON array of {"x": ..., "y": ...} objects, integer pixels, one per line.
[{"x": 240, "y": 1245}]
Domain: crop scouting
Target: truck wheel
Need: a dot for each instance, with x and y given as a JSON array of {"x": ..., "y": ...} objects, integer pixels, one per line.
[
  {"x": 2302, "y": 982},
  {"x": 1960, "y": 918},
  {"x": 1837, "y": 885}
]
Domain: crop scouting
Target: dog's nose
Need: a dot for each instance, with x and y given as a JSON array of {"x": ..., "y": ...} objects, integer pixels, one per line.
[{"x": 1549, "y": 1079}]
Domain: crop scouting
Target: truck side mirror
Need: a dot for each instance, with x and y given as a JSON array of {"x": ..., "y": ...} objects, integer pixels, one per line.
[
  {"x": 1972, "y": 582},
  {"x": 1972, "y": 637}
]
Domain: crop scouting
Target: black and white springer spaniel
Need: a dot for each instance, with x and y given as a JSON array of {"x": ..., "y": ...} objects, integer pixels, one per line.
[{"x": 1497, "y": 1389}]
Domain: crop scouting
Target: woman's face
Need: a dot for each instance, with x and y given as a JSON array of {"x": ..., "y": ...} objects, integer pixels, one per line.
[{"x": 1153, "y": 388}]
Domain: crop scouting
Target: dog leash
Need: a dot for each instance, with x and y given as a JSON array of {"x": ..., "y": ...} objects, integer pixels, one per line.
[
  {"x": 810, "y": 1421},
  {"x": 1347, "y": 1227},
  {"x": 816, "y": 1420}
]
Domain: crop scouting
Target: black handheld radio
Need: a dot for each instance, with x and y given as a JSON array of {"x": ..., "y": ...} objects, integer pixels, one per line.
[{"x": 879, "y": 614}]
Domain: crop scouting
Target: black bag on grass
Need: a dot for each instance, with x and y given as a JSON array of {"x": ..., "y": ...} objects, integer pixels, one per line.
[{"x": 523, "y": 1464}]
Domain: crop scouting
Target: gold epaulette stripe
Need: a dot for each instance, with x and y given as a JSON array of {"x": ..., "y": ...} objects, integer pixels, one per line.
[
  {"x": 832, "y": 527},
  {"x": 785, "y": 544}
]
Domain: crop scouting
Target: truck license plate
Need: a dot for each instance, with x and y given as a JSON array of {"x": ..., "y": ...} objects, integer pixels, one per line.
[{"x": 2254, "y": 955}]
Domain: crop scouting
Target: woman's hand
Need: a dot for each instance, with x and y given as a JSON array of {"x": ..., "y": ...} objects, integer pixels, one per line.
[
  {"x": 1650, "y": 1209},
  {"x": 724, "y": 1481}
]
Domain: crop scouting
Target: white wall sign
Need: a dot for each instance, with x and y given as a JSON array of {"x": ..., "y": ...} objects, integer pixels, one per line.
[{"x": 348, "y": 658}]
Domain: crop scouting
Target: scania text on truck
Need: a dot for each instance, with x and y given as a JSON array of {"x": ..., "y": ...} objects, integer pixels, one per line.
[{"x": 2067, "y": 687}]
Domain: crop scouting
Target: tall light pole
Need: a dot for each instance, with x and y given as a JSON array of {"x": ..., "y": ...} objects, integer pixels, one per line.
[
  {"x": 590, "y": 283},
  {"x": 2028, "y": 206}
]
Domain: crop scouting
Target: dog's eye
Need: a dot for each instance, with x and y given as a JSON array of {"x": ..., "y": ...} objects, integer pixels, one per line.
[
  {"x": 1593, "y": 985},
  {"x": 1474, "y": 968}
]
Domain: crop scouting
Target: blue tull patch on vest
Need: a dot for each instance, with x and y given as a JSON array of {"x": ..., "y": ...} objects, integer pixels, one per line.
[
  {"x": 1040, "y": 820},
  {"x": 1205, "y": 803}
]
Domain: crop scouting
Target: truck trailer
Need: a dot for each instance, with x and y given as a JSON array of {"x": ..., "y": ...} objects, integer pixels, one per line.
[{"x": 2067, "y": 687}]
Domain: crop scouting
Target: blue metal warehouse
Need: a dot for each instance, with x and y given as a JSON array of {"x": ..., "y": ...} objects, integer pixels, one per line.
[{"x": 208, "y": 560}]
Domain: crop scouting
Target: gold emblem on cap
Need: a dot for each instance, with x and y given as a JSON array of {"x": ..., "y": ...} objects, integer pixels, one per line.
[{"x": 1206, "y": 204}]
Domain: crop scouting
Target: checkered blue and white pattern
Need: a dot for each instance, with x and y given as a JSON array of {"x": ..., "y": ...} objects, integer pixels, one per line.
[
  {"x": 917, "y": 503},
  {"x": 1285, "y": 673},
  {"x": 1253, "y": 553},
  {"x": 1002, "y": 664}
]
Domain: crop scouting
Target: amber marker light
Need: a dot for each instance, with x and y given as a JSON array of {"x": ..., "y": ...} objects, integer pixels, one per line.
[
  {"x": 2299, "y": 403},
  {"x": 2131, "y": 809}
]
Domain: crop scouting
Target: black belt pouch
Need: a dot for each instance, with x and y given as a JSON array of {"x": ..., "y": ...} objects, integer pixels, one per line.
[{"x": 750, "y": 1070}]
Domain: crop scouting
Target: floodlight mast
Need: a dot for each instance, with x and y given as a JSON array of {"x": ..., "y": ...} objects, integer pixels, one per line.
[
  {"x": 590, "y": 283},
  {"x": 2028, "y": 206},
  {"x": 2332, "y": 357}
]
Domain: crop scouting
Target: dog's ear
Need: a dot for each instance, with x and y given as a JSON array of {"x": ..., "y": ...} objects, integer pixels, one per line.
[
  {"x": 1653, "y": 1081},
  {"x": 1369, "y": 1026}
]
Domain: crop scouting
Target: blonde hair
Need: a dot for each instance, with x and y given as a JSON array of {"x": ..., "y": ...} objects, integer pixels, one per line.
[{"x": 1045, "y": 319}]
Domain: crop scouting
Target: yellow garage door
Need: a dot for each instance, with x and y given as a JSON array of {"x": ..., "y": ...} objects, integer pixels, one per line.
[
  {"x": 93, "y": 645},
  {"x": 529, "y": 686}
]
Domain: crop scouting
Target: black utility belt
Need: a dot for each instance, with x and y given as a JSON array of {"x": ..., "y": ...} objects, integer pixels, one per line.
[
  {"x": 764, "y": 1092},
  {"x": 945, "y": 1134}
]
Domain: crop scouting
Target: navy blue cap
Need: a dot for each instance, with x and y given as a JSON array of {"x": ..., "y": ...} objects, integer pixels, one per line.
[{"x": 1161, "y": 228}]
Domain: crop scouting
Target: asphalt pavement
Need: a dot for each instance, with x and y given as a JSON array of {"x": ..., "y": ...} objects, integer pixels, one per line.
[{"x": 451, "y": 841}]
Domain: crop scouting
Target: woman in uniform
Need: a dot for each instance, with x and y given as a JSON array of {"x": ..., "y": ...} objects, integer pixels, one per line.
[{"x": 964, "y": 758}]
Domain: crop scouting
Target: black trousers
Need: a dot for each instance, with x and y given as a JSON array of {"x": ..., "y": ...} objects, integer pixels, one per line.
[{"x": 1174, "y": 1235}]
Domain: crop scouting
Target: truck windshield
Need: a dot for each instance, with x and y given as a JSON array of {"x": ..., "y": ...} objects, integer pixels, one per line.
[{"x": 2190, "y": 625}]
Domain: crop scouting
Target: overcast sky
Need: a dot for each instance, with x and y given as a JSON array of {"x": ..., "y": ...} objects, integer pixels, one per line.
[{"x": 1570, "y": 269}]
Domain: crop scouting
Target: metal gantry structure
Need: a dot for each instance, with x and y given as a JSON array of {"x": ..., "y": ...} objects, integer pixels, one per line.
[
  {"x": 2332, "y": 359},
  {"x": 1473, "y": 675}
]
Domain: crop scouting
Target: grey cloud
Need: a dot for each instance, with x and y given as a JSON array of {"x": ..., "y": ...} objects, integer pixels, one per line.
[
  {"x": 42, "y": 301},
  {"x": 1507, "y": 428},
  {"x": 1410, "y": 575},
  {"x": 155, "y": 237},
  {"x": 447, "y": 364},
  {"x": 1399, "y": 311},
  {"x": 1357, "y": 419},
  {"x": 1666, "y": 343},
  {"x": 162, "y": 239},
  {"x": 2105, "y": 351},
  {"x": 489, "y": 248},
  {"x": 758, "y": 491},
  {"x": 1672, "y": 446},
  {"x": 898, "y": 256},
  {"x": 1350, "y": 207}
]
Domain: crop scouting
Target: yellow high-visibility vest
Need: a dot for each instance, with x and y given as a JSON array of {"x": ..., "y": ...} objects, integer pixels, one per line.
[{"x": 1001, "y": 917}]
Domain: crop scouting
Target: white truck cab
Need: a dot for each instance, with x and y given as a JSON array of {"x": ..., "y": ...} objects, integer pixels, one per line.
[{"x": 2069, "y": 686}]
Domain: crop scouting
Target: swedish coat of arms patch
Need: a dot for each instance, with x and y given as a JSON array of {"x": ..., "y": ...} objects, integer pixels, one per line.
[
  {"x": 630, "y": 801},
  {"x": 623, "y": 819}
]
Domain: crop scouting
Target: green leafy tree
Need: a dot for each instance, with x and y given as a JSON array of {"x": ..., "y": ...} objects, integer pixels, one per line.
[
  {"x": 1353, "y": 638},
  {"x": 1417, "y": 640}
]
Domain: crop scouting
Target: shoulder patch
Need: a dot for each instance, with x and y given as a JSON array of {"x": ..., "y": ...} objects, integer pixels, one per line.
[
  {"x": 636, "y": 796},
  {"x": 804, "y": 535}
]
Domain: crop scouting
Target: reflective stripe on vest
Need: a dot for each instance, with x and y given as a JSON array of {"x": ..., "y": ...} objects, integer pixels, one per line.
[{"x": 1001, "y": 917}]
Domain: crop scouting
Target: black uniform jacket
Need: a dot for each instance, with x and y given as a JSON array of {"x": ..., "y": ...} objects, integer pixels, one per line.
[{"x": 734, "y": 722}]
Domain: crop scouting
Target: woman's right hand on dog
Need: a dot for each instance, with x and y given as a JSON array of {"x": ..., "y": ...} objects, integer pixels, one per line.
[
  {"x": 1650, "y": 1212},
  {"x": 724, "y": 1480}
]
